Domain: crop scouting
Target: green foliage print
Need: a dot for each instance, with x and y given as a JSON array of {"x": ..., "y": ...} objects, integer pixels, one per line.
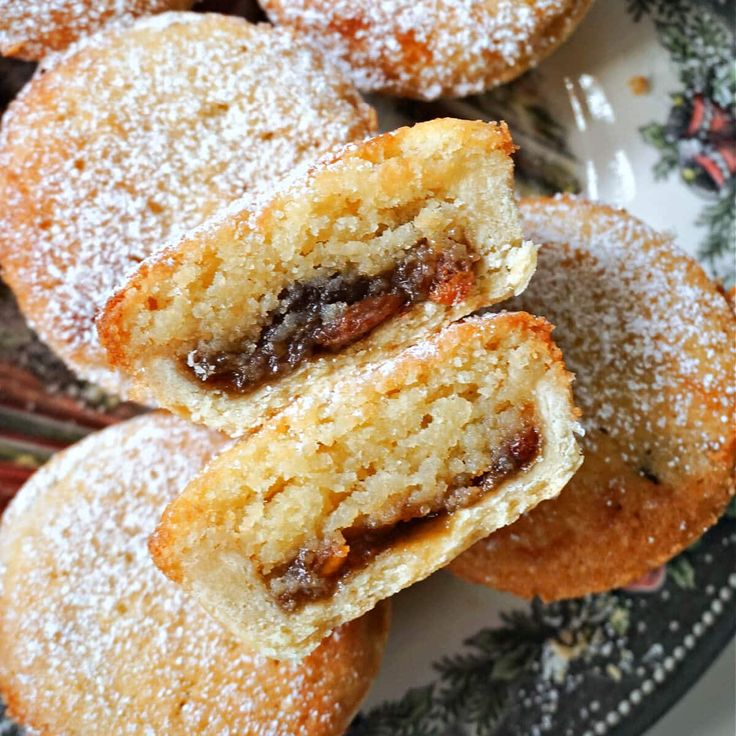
[
  {"x": 699, "y": 137},
  {"x": 472, "y": 687}
]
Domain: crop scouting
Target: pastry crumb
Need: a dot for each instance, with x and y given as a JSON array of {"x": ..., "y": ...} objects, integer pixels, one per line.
[{"x": 640, "y": 85}]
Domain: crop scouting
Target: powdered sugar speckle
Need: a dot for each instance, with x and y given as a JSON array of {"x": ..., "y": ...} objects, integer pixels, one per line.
[
  {"x": 649, "y": 339},
  {"x": 31, "y": 28},
  {"x": 136, "y": 135},
  {"x": 429, "y": 48},
  {"x": 93, "y": 639}
]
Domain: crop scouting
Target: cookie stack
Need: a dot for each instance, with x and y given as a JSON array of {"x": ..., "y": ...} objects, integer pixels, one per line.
[{"x": 196, "y": 212}]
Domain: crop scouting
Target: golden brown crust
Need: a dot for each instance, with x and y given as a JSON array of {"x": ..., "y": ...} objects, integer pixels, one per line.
[
  {"x": 31, "y": 29},
  {"x": 139, "y": 133},
  {"x": 655, "y": 384},
  {"x": 392, "y": 473},
  {"x": 114, "y": 324},
  {"x": 593, "y": 538},
  {"x": 94, "y": 640},
  {"x": 357, "y": 212},
  {"x": 427, "y": 49}
]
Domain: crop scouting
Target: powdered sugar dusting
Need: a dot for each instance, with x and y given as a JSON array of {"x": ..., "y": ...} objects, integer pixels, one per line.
[
  {"x": 136, "y": 135},
  {"x": 426, "y": 48},
  {"x": 95, "y": 640},
  {"x": 650, "y": 341},
  {"x": 32, "y": 28}
]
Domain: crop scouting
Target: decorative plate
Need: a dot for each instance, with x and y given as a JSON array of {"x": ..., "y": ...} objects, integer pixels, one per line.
[{"x": 636, "y": 110}]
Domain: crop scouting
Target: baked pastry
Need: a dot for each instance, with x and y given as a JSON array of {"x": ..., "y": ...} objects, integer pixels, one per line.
[
  {"x": 338, "y": 504},
  {"x": 31, "y": 29},
  {"x": 376, "y": 244},
  {"x": 651, "y": 342},
  {"x": 94, "y": 640},
  {"x": 135, "y": 136},
  {"x": 432, "y": 48}
]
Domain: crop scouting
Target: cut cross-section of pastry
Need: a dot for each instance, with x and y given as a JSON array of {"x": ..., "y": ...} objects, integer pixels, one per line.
[
  {"x": 346, "y": 264},
  {"x": 335, "y": 505}
]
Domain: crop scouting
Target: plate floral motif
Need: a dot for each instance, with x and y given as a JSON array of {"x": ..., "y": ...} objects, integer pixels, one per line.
[{"x": 698, "y": 138}]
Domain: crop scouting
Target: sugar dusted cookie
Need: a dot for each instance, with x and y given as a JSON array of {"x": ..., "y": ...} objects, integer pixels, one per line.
[
  {"x": 31, "y": 29},
  {"x": 652, "y": 344},
  {"x": 432, "y": 48},
  {"x": 94, "y": 640},
  {"x": 137, "y": 135}
]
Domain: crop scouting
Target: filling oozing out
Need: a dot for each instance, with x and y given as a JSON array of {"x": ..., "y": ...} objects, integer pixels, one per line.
[
  {"x": 315, "y": 572},
  {"x": 326, "y": 314}
]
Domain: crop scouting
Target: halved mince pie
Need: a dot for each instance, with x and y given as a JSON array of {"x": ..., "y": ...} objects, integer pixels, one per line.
[
  {"x": 345, "y": 498},
  {"x": 348, "y": 264}
]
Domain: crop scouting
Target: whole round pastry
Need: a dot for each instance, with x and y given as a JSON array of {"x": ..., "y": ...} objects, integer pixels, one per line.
[
  {"x": 138, "y": 134},
  {"x": 651, "y": 341},
  {"x": 94, "y": 640},
  {"x": 432, "y": 48},
  {"x": 30, "y": 29}
]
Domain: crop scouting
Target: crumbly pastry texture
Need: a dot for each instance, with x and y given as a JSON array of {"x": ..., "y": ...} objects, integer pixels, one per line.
[
  {"x": 136, "y": 135},
  {"x": 32, "y": 29},
  {"x": 94, "y": 640},
  {"x": 335, "y": 505},
  {"x": 432, "y": 48},
  {"x": 651, "y": 342},
  {"x": 417, "y": 227}
]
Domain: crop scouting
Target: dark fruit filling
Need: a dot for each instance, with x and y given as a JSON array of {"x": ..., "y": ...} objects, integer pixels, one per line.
[
  {"x": 328, "y": 313},
  {"x": 315, "y": 573}
]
